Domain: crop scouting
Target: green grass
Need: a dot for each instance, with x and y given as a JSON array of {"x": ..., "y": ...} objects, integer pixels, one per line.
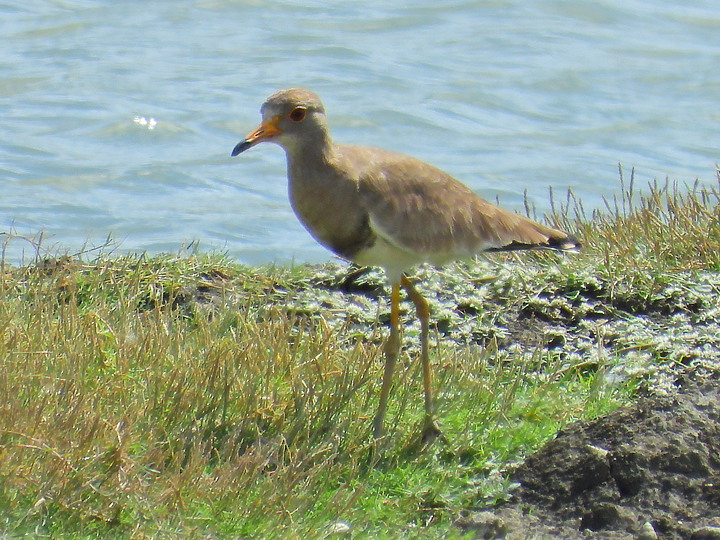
[{"x": 183, "y": 397}]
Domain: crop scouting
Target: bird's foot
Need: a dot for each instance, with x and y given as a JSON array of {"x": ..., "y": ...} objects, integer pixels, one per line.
[{"x": 431, "y": 432}]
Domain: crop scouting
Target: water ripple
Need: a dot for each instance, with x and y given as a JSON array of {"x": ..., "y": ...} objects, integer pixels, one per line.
[{"x": 118, "y": 118}]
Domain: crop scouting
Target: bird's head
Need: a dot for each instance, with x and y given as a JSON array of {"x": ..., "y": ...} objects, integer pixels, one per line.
[{"x": 290, "y": 118}]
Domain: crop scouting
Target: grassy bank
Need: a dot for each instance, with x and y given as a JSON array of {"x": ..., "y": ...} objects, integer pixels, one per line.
[{"x": 193, "y": 397}]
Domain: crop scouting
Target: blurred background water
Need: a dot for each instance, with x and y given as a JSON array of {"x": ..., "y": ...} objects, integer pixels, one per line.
[{"x": 117, "y": 118}]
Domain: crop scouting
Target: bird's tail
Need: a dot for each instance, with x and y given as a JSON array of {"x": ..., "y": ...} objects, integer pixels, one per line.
[
  {"x": 565, "y": 243},
  {"x": 553, "y": 239}
]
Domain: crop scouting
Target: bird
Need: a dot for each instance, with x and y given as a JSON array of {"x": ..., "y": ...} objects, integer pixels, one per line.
[{"x": 377, "y": 207}]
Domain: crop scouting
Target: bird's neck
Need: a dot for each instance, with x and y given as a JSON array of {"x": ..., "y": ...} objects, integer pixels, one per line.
[
  {"x": 309, "y": 150},
  {"x": 310, "y": 167}
]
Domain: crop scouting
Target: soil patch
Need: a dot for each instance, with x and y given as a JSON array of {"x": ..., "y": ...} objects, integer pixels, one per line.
[{"x": 648, "y": 470}]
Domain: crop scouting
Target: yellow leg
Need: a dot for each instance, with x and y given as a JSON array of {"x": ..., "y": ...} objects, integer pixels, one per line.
[
  {"x": 392, "y": 351},
  {"x": 430, "y": 429}
]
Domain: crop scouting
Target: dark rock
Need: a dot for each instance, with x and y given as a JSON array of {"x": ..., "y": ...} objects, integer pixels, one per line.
[
  {"x": 627, "y": 469},
  {"x": 574, "y": 470},
  {"x": 606, "y": 516},
  {"x": 656, "y": 461},
  {"x": 706, "y": 533}
]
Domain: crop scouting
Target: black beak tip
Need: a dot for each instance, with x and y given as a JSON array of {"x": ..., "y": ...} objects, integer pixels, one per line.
[{"x": 240, "y": 148}]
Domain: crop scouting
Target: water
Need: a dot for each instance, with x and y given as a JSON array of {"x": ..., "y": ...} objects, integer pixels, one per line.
[{"x": 118, "y": 117}]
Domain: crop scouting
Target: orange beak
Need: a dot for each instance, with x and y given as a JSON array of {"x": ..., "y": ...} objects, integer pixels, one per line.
[{"x": 265, "y": 131}]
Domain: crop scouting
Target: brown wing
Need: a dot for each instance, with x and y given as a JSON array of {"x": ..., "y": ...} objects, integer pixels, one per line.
[{"x": 422, "y": 209}]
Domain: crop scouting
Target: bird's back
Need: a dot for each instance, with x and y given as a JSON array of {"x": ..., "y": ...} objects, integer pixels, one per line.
[{"x": 421, "y": 210}]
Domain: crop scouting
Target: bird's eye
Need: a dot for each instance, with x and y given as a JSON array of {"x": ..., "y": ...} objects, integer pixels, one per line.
[{"x": 298, "y": 114}]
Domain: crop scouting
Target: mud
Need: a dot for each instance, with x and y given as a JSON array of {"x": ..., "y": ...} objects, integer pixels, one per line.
[{"x": 649, "y": 470}]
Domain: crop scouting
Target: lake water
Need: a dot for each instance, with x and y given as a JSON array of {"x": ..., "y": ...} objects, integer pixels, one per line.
[{"x": 117, "y": 118}]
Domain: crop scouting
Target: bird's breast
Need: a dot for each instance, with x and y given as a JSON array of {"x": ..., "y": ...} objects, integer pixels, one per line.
[{"x": 329, "y": 208}]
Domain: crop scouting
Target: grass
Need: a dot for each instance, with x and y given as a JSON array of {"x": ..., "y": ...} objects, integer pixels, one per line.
[{"x": 184, "y": 397}]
